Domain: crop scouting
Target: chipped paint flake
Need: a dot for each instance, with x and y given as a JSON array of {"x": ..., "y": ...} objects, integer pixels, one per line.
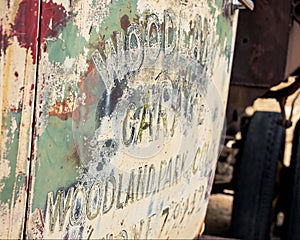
[{"x": 4, "y": 173}]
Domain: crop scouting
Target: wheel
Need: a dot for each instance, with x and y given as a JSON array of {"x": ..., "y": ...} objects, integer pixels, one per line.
[
  {"x": 293, "y": 216},
  {"x": 256, "y": 173}
]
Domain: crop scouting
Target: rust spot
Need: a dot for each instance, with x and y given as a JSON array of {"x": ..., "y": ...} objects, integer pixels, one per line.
[
  {"x": 86, "y": 85},
  {"x": 124, "y": 22},
  {"x": 136, "y": 19},
  {"x": 62, "y": 109},
  {"x": 16, "y": 109},
  {"x": 45, "y": 47},
  {"x": 41, "y": 217},
  {"x": 73, "y": 157},
  {"x": 153, "y": 29},
  {"x": 16, "y": 74},
  {"x": 102, "y": 42},
  {"x": 26, "y": 182}
]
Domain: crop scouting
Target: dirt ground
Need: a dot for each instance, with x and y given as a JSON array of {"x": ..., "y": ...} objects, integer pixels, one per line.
[{"x": 220, "y": 206}]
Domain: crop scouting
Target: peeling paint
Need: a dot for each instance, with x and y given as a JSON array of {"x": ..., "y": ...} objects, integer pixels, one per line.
[
  {"x": 4, "y": 39},
  {"x": 10, "y": 151},
  {"x": 20, "y": 187},
  {"x": 115, "y": 111},
  {"x": 56, "y": 153},
  {"x": 129, "y": 104},
  {"x": 4, "y": 174},
  {"x": 18, "y": 74},
  {"x": 25, "y": 26},
  {"x": 224, "y": 29},
  {"x": 54, "y": 19},
  {"x": 68, "y": 44}
]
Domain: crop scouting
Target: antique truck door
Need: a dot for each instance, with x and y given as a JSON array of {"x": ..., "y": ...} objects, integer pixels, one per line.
[{"x": 111, "y": 122}]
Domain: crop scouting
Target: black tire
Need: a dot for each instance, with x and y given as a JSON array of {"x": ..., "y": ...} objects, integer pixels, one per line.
[
  {"x": 256, "y": 176},
  {"x": 293, "y": 216}
]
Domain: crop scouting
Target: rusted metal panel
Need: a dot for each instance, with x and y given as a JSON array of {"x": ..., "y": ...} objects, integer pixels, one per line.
[
  {"x": 18, "y": 47},
  {"x": 262, "y": 44},
  {"x": 293, "y": 55},
  {"x": 266, "y": 53},
  {"x": 129, "y": 112}
]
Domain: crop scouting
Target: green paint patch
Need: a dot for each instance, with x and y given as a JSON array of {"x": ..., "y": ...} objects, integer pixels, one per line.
[
  {"x": 69, "y": 44},
  {"x": 211, "y": 7},
  {"x": 121, "y": 13},
  {"x": 20, "y": 184},
  {"x": 224, "y": 31},
  {"x": 94, "y": 42},
  {"x": 58, "y": 160},
  {"x": 12, "y": 146},
  {"x": 219, "y": 4},
  {"x": 117, "y": 10}
]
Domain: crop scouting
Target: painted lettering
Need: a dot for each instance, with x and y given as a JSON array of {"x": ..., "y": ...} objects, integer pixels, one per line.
[
  {"x": 170, "y": 33},
  {"x": 84, "y": 203},
  {"x": 153, "y": 37},
  {"x": 149, "y": 224},
  {"x": 78, "y": 206},
  {"x": 109, "y": 195},
  {"x": 58, "y": 210},
  {"x": 150, "y": 181},
  {"x": 134, "y": 47},
  {"x": 94, "y": 201},
  {"x": 136, "y": 229},
  {"x": 164, "y": 215},
  {"x": 121, "y": 55},
  {"x": 130, "y": 189},
  {"x": 119, "y": 203}
]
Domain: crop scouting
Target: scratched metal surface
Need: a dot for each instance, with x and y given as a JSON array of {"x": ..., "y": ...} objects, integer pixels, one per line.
[{"x": 128, "y": 115}]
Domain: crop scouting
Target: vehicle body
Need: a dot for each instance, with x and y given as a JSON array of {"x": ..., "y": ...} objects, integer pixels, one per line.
[{"x": 112, "y": 112}]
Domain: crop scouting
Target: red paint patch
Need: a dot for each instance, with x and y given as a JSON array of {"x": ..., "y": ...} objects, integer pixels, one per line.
[
  {"x": 124, "y": 22},
  {"x": 3, "y": 40},
  {"x": 54, "y": 18},
  {"x": 25, "y": 26}
]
